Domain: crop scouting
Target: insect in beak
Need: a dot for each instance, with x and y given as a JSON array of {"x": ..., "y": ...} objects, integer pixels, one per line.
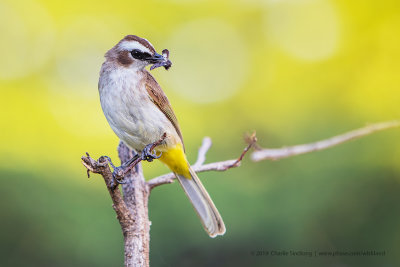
[{"x": 161, "y": 60}]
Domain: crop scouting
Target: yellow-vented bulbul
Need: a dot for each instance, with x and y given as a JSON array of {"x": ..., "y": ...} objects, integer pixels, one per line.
[{"x": 139, "y": 113}]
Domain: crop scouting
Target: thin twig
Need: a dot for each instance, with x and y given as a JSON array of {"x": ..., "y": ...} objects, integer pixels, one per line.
[
  {"x": 201, "y": 156},
  {"x": 285, "y": 152},
  {"x": 251, "y": 140},
  {"x": 272, "y": 154},
  {"x": 216, "y": 166},
  {"x": 199, "y": 166}
]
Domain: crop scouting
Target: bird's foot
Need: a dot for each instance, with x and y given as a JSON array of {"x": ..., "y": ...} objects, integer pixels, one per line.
[
  {"x": 119, "y": 173},
  {"x": 147, "y": 153}
]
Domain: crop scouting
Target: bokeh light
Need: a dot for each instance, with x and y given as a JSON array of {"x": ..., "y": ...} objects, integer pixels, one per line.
[
  {"x": 306, "y": 29},
  {"x": 76, "y": 70},
  {"x": 205, "y": 68},
  {"x": 27, "y": 32}
]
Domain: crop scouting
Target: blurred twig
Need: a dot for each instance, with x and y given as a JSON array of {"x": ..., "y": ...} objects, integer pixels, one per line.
[
  {"x": 285, "y": 152},
  {"x": 201, "y": 156},
  {"x": 199, "y": 166},
  {"x": 271, "y": 154}
]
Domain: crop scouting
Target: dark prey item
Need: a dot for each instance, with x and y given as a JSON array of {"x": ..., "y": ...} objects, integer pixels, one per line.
[{"x": 166, "y": 63}]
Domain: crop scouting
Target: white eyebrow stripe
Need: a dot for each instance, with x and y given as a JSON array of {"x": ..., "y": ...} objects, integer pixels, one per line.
[{"x": 134, "y": 45}]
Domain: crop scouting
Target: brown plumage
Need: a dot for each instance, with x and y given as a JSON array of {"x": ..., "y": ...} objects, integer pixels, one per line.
[{"x": 159, "y": 98}]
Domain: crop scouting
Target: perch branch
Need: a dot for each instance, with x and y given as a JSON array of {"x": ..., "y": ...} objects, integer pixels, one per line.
[
  {"x": 285, "y": 152},
  {"x": 101, "y": 167},
  {"x": 126, "y": 166},
  {"x": 199, "y": 166},
  {"x": 271, "y": 154}
]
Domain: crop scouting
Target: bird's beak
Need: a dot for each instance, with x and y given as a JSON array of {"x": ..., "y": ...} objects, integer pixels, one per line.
[
  {"x": 161, "y": 60},
  {"x": 156, "y": 58}
]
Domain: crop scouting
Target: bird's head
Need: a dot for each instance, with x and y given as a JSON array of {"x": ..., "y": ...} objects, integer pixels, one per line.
[{"x": 134, "y": 52}]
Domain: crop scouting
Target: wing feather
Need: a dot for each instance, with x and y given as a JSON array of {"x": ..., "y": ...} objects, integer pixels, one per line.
[{"x": 159, "y": 98}]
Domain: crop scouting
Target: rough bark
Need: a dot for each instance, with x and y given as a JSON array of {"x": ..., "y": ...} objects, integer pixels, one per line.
[
  {"x": 131, "y": 207},
  {"x": 136, "y": 197}
]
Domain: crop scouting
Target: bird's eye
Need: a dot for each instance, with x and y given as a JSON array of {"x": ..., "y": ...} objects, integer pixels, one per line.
[
  {"x": 135, "y": 52},
  {"x": 139, "y": 54}
]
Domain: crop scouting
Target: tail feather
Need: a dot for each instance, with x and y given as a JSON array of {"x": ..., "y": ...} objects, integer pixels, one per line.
[{"x": 202, "y": 203}]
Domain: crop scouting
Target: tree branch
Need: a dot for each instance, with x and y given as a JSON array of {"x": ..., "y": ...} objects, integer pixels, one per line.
[
  {"x": 271, "y": 154},
  {"x": 101, "y": 166},
  {"x": 136, "y": 197},
  {"x": 124, "y": 216},
  {"x": 285, "y": 152},
  {"x": 216, "y": 166},
  {"x": 199, "y": 166},
  {"x": 201, "y": 156},
  {"x": 131, "y": 208}
]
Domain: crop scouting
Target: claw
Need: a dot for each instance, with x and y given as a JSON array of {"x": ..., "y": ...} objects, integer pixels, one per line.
[
  {"x": 118, "y": 175},
  {"x": 118, "y": 179},
  {"x": 148, "y": 155}
]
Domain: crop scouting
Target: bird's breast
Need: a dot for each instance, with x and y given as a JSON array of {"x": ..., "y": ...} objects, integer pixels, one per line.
[{"x": 129, "y": 110}]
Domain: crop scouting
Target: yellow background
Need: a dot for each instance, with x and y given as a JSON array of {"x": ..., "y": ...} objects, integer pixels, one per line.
[{"x": 293, "y": 70}]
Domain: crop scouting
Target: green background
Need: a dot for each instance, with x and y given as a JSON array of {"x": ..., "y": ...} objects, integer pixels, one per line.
[{"x": 294, "y": 71}]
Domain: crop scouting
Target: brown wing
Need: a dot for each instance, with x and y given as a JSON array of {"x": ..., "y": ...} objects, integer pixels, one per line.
[{"x": 161, "y": 101}]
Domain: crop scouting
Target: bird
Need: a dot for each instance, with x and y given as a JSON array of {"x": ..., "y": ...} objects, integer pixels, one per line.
[{"x": 139, "y": 113}]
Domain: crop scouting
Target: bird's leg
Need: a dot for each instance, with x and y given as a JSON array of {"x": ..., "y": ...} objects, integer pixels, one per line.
[
  {"x": 147, "y": 154},
  {"x": 119, "y": 172}
]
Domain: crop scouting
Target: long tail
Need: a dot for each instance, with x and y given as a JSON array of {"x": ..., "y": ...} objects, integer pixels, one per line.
[{"x": 202, "y": 203}]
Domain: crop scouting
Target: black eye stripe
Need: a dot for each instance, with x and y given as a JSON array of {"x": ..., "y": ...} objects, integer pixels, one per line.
[{"x": 139, "y": 54}]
